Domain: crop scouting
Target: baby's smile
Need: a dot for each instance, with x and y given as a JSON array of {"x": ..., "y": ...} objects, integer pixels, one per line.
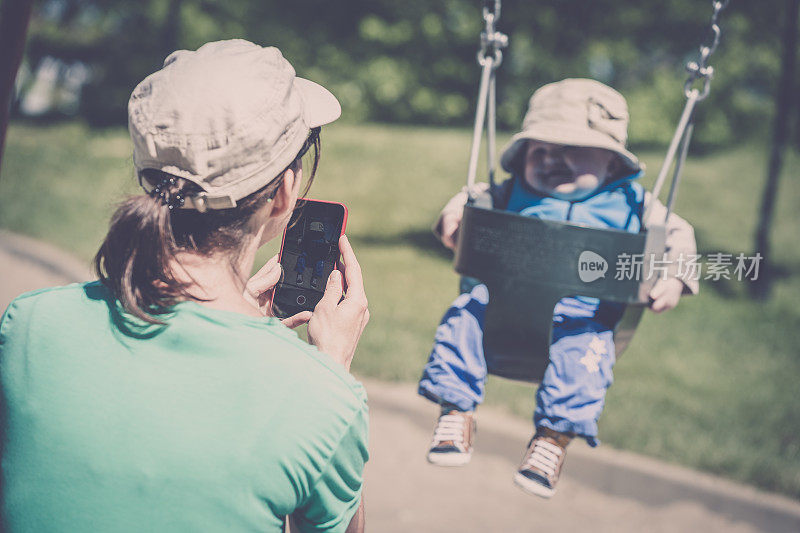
[
  {"x": 556, "y": 176},
  {"x": 566, "y": 172}
]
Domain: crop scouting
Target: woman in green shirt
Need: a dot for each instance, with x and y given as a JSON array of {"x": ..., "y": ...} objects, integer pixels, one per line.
[{"x": 163, "y": 397}]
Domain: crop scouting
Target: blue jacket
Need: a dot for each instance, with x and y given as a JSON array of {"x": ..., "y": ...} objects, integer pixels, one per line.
[{"x": 616, "y": 205}]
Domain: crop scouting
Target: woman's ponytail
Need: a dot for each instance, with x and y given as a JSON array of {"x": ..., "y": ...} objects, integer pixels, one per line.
[{"x": 134, "y": 259}]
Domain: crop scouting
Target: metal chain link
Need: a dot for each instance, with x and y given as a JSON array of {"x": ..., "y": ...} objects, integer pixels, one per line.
[
  {"x": 490, "y": 56},
  {"x": 700, "y": 69},
  {"x": 679, "y": 146},
  {"x": 492, "y": 41},
  {"x": 491, "y": 6}
]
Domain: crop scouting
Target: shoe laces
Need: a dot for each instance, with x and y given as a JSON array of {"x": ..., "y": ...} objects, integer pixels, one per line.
[
  {"x": 544, "y": 456},
  {"x": 450, "y": 428}
]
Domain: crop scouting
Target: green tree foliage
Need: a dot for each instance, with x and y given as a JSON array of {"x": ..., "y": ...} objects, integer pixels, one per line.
[{"x": 414, "y": 61}]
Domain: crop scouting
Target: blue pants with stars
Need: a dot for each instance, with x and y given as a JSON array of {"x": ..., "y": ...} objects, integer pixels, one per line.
[{"x": 571, "y": 395}]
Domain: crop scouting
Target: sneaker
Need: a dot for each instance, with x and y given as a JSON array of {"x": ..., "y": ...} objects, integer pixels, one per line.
[
  {"x": 452, "y": 438},
  {"x": 541, "y": 466}
]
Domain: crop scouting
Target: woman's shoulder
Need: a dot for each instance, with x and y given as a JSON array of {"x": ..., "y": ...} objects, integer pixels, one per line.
[
  {"x": 47, "y": 320},
  {"x": 60, "y": 292},
  {"x": 55, "y": 298}
]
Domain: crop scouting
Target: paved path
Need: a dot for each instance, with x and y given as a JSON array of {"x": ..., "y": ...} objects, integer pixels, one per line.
[
  {"x": 27, "y": 264},
  {"x": 601, "y": 490}
]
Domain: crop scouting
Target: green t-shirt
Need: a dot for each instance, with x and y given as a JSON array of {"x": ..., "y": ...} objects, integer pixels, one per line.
[{"x": 218, "y": 422}]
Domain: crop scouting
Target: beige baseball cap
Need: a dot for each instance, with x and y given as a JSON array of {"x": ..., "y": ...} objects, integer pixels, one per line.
[
  {"x": 575, "y": 112},
  {"x": 229, "y": 117}
]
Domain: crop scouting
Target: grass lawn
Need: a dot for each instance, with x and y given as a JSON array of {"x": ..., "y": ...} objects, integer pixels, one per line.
[{"x": 712, "y": 385}]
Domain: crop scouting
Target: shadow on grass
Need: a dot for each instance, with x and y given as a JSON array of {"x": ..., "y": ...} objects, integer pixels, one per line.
[{"x": 421, "y": 239}]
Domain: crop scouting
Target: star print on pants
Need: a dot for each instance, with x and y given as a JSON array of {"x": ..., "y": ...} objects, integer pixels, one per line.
[{"x": 594, "y": 353}]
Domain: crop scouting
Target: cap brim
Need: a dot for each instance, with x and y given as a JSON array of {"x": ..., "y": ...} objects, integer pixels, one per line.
[
  {"x": 320, "y": 107},
  {"x": 558, "y": 134}
]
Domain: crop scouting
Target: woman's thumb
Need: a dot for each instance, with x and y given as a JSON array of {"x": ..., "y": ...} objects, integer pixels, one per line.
[{"x": 333, "y": 289}]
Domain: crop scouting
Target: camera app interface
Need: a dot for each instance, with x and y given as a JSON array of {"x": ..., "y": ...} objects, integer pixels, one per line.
[{"x": 310, "y": 252}]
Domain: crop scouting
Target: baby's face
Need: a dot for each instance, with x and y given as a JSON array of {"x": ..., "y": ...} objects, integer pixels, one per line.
[{"x": 567, "y": 172}]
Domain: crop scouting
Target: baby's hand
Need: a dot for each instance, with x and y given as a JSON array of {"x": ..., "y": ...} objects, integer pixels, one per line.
[
  {"x": 448, "y": 228},
  {"x": 666, "y": 294}
]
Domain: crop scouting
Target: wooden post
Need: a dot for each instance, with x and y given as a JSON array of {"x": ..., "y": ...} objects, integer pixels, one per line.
[
  {"x": 760, "y": 288},
  {"x": 14, "y": 18}
]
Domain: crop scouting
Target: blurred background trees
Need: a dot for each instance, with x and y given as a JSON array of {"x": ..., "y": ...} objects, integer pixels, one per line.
[{"x": 414, "y": 61}]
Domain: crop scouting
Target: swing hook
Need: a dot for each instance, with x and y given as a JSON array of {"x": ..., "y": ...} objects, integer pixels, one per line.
[
  {"x": 700, "y": 69},
  {"x": 679, "y": 146},
  {"x": 492, "y": 41}
]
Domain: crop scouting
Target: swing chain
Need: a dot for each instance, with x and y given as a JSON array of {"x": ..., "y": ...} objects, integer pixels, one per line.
[
  {"x": 489, "y": 57},
  {"x": 700, "y": 69},
  {"x": 679, "y": 146},
  {"x": 492, "y": 41}
]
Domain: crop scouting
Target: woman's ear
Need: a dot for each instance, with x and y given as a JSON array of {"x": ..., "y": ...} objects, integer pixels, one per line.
[{"x": 286, "y": 196}]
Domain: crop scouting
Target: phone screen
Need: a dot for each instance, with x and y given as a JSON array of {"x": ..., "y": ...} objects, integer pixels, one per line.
[{"x": 309, "y": 253}]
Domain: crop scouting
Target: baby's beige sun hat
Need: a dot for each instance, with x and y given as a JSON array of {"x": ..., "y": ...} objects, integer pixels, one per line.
[{"x": 574, "y": 112}]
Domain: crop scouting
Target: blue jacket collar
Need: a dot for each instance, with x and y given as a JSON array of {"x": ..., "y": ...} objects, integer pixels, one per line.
[{"x": 606, "y": 187}]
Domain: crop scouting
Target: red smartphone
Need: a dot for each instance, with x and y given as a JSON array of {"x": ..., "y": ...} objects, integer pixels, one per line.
[{"x": 309, "y": 253}]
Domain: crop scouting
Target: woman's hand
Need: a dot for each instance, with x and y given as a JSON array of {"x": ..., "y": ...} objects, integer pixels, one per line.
[
  {"x": 666, "y": 294},
  {"x": 258, "y": 291},
  {"x": 337, "y": 323}
]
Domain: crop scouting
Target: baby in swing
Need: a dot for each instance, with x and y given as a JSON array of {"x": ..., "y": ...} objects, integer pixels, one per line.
[{"x": 568, "y": 163}]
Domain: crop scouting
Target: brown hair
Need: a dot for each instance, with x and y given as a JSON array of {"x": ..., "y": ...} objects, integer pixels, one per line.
[{"x": 145, "y": 235}]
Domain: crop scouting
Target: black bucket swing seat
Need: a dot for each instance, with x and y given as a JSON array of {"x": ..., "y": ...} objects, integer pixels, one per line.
[{"x": 528, "y": 264}]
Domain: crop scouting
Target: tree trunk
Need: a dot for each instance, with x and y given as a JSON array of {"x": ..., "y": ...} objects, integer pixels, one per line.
[
  {"x": 14, "y": 17},
  {"x": 760, "y": 288}
]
